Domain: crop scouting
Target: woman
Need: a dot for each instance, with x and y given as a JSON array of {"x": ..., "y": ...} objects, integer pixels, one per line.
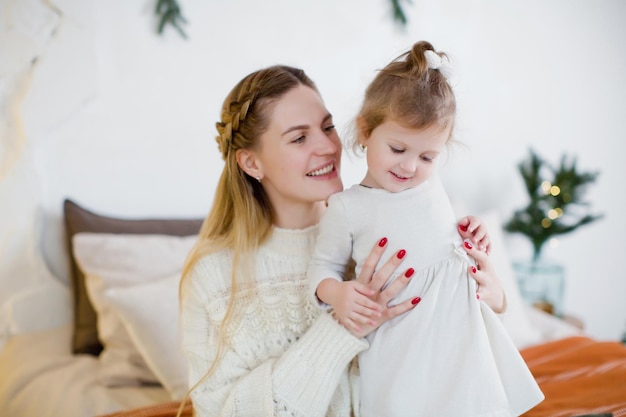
[{"x": 256, "y": 343}]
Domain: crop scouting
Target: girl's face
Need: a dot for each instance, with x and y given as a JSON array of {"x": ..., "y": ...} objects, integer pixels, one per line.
[
  {"x": 300, "y": 153},
  {"x": 399, "y": 158}
]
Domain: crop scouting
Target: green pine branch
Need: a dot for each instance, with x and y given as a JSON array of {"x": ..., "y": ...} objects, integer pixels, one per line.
[
  {"x": 170, "y": 14},
  {"x": 554, "y": 209}
]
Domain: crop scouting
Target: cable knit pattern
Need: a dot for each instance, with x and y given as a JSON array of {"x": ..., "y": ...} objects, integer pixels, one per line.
[{"x": 288, "y": 357}]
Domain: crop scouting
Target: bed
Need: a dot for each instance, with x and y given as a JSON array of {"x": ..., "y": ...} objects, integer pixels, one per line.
[{"x": 117, "y": 354}]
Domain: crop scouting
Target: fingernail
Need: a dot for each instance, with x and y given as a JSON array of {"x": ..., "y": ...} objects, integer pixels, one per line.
[
  {"x": 401, "y": 254},
  {"x": 467, "y": 245},
  {"x": 382, "y": 242},
  {"x": 416, "y": 300},
  {"x": 409, "y": 272},
  {"x": 463, "y": 228},
  {"x": 474, "y": 269}
]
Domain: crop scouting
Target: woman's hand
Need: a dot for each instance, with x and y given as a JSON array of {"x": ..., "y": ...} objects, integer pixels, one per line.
[
  {"x": 471, "y": 228},
  {"x": 489, "y": 288},
  {"x": 375, "y": 281}
]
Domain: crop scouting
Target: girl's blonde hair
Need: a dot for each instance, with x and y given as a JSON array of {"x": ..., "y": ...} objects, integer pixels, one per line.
[
  {"x": 408, "y": 92},
  {"x": 241, "y": 217}
]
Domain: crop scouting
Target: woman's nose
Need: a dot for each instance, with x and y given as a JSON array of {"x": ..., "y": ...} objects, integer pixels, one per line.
[{"x": 327, "y": 144}]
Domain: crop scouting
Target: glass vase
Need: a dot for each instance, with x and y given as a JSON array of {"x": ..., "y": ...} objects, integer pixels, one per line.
[{"x": 542, "y": 284}]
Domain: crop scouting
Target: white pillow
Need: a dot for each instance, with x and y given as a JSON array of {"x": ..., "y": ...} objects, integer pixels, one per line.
[
  {"x": 515, "y": 318},
  {"x": 119, "y": 261},
  {"x": 150, "y": 315}
]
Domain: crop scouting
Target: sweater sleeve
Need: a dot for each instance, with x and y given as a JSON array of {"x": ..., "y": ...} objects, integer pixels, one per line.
[
  {"x": 333, "y": 249},
  {"x": 301, "y": 381}
]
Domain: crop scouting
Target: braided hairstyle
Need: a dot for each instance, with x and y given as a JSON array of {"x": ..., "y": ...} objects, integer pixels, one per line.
[
  {"x": 409, "y": 92},
  {"x": 241, "y": 217}
]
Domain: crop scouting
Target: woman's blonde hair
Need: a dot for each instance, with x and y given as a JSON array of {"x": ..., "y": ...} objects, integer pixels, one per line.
[
  {"x": 241, "y": 217},
  {"x": 409, "y": 92}
]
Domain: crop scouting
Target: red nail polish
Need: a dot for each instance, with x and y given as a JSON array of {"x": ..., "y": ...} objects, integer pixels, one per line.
[
  {"x": 416, "y": 300},
  {"x": 382, "y": 242},
  {"x": 463, "y": 228},
  {"x": 468, "y": 245},
  {"x": 401, "y": 254},
  {"x": 474, "y": 269},
  {"x": 409, "y": 272}
]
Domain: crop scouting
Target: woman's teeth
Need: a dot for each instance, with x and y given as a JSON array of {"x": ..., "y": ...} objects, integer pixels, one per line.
[{"x": 322, "y": 171}]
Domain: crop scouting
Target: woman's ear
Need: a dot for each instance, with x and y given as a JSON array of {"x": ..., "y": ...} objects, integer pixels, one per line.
[{"x": 248, "y": 162}]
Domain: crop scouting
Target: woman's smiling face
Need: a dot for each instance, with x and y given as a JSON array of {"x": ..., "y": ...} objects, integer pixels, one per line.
[{"x": 300, "y": 153}]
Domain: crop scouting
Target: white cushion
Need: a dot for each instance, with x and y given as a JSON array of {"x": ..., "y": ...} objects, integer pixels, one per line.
[
  {"x": 117, "y": 261},
  {"x": 150, "y": 315}
]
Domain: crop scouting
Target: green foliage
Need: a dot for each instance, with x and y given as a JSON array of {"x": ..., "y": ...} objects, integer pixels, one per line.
[
  {"x": 169, "y": 13},
  {"x": 398, "y": 12},
  {"x": 556, "y": 204}
]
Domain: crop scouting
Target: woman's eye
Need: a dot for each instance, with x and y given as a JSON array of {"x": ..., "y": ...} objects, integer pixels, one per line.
[
  {"x": 299, "y": 139},
  {"x": 396, "y": 150},
  {"x": 329, "y": 128}
]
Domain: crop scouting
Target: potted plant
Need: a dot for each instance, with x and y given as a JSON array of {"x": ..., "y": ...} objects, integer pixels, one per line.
[{"x": 556, "y": 207}]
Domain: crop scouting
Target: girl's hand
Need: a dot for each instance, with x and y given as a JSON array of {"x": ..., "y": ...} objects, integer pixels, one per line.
[
  {"x": 376, "y": 281},
  {"x": 489, "y": 288},
  {"x": 471, "y": 228},
  {"x": 350, "y": 302}
]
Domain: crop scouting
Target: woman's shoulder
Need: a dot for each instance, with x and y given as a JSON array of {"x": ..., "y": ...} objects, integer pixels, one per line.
[{"x": 211, "y": 271}]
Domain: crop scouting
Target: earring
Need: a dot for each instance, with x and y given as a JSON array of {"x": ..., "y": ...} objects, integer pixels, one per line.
[
  {"x": 363, "y": 147},
  {"x": 258, "y": 179}
]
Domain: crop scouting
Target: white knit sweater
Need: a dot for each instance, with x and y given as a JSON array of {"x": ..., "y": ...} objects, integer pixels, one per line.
[{"x": 288, "y": 357}]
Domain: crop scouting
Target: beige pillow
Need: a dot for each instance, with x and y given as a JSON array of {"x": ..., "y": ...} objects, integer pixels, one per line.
[{"x": 111, "y": 261}]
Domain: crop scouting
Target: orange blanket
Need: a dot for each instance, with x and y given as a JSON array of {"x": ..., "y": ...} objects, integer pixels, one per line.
[{"x": 579, "y": 376}]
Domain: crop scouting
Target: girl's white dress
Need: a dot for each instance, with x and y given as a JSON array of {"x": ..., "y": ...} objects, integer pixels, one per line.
[{"x": 448, "y": 357}]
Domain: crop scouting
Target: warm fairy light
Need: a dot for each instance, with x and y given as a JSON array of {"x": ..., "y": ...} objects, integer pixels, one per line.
[
  {"x": 545, "y": 223},
  {"x": 555, "y": 190},
  {"x": 545, "y": 186},
  {"x": 553, "y": 242},
  {"x": 555, "y": 213}
]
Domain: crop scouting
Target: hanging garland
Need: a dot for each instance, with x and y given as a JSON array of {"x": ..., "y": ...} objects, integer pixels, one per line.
[{"x": 169, "y": 13}]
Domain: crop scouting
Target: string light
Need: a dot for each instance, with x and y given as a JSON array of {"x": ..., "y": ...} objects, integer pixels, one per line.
[
  {"x": 555, "y": 190},
  {"x": 546, "y": 223}
]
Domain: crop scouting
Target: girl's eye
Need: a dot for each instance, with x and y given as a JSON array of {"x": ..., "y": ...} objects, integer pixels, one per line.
[
  {"x": 329, "y": 128},
  {"x": 396, "y": 150},
  {"x": 428, "y": 158}
]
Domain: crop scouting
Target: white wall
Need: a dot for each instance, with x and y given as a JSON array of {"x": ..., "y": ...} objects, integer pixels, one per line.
[{"x": 122, "y": 120}]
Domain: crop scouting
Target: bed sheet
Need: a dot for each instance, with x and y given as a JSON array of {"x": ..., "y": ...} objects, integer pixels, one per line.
[{"x": 40, "y": 377}]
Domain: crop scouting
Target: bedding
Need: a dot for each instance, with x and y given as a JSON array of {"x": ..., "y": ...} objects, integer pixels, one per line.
[{"x": 579, "y": 377}]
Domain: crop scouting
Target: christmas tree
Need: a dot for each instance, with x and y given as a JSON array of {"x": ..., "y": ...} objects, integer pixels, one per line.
[{"x": 556, "y": 204}]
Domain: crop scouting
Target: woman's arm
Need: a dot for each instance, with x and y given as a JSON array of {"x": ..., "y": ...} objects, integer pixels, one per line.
[{"x": 300, "y": 381}]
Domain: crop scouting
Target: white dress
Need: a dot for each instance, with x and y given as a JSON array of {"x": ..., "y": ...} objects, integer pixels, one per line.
[{"x": 448, "y": 357}]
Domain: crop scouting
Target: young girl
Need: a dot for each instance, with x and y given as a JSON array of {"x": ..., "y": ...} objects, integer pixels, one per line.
[{"x": 450, "y": 357}]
